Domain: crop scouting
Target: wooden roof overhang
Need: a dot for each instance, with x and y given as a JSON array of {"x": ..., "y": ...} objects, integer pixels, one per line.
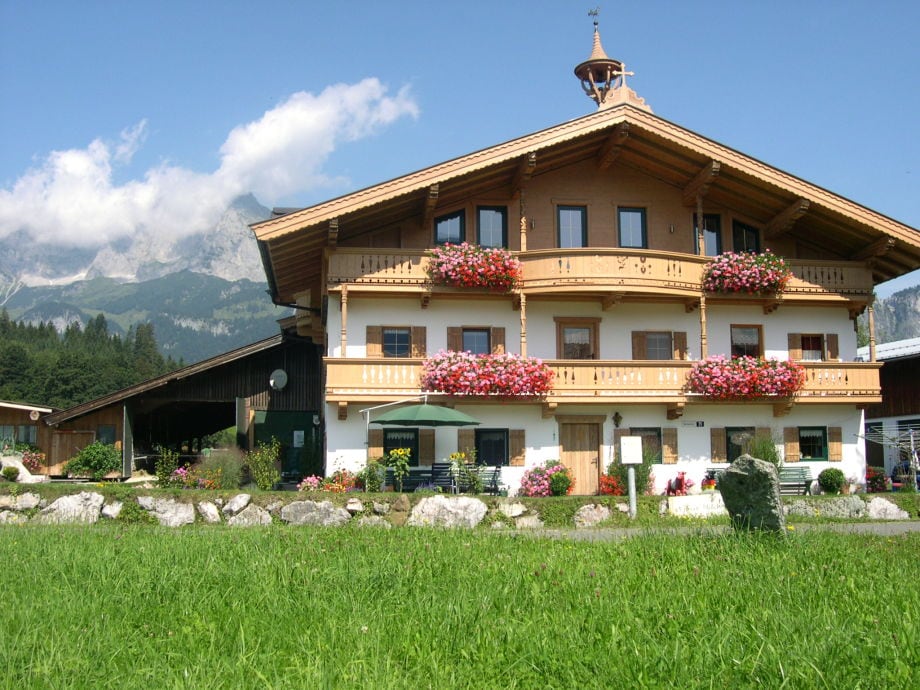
[{"x": 292, "y": 245}]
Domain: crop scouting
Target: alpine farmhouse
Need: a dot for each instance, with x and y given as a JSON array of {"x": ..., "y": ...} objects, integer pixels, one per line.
[{"x": 673, "y": 288}]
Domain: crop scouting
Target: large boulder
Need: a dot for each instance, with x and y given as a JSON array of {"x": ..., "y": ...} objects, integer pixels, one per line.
[
  {"x": 82, "y": 508},
  {"x": 236, "y": 504},
  {"x": 322, "y": 513},
  {"x": 26, "y": 501},
  {"x": 882, "y": 509},
  {"x": 168, "y": 511},
  {"x": 441, "y": 511},
  {"x": 591, "y": 515},
  {"x": 251, "y": 516},
  {"x": 750, "y": 491}
]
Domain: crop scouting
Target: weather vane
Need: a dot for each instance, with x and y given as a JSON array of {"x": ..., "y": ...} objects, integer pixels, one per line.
[{"x": 593, "y": 13}]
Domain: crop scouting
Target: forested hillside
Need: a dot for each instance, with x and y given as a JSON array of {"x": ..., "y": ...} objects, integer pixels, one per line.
[{"x": 41, "y": 366}]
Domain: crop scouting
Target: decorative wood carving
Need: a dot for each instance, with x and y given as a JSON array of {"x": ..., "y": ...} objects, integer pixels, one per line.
[
  {"x": 523, "y": 172},
  {"x": 549, "y": 410},
  {"x": 781, "y": 409},
  {"x": 431, "y": 201},
  {"x": 676, "y": 410},
  {"x": 343, "y": 410},
  {"x": 699, "y": 185},
  {"x": 784, "y": 221},
  {"x": 879, "y": 247},
  {"x": 333, "y": 232},
  {"x": 611, "y": 300},
  {"x": 613, "y": 147}
]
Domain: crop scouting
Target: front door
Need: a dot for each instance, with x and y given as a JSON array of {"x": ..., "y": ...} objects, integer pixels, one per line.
[{"x": 581, "y": 452}]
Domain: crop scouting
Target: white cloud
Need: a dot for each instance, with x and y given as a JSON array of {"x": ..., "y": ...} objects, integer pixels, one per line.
[{"x": 71, "y": 197}]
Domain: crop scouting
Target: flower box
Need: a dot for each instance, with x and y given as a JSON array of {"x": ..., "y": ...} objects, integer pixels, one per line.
[
  {"x": 471, "y": 266},
  {"x": 746, "y": 272},
  {"x": 745, "y": 378},
  {"x": 507, "y": 375}
]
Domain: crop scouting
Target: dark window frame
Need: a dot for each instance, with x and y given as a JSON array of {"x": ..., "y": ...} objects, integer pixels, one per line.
[
  {"x": 397, "y": 330},
  {"x": 503, "y": 212},
  {"x": 716, "y": 232},
  {"x": 643, "y": 216},
  {"x": 744, "y": 230},
  {"x": 484, "y": 458},
  {"x": 472, "y": 330},
  {"x": 755, "y": 326},
  {"x": 583, "y": 210},
  {"x": 735, "y": 450},
  {"x": 413, "y": 446},
  {"x": 823, "y": 444},
  {"x": 459, "y": 214}
]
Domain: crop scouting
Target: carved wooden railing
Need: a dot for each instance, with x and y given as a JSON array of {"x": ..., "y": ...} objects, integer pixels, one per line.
[
  {"x": 598, "y": 380},
  {"x": 595, "y": 270}
]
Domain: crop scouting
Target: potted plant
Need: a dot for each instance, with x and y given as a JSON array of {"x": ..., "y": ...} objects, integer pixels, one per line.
[
  {"x": 472, "y": 266},
  {"x": 505, "y": 375},
  {"x": 746, "y": 272}
]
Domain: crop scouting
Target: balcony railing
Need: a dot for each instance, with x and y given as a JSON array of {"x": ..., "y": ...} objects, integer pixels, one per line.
[
  {"x": 594, "y": 271},
  {"x": 377, "y": 379}
]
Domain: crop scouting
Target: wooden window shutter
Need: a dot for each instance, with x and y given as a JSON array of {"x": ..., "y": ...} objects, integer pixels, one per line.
[
  {"x": 466, "y": 441},
  {"x": 834, "y": 443},
  {"x": 638, "y": 344},
  {"x": 717, "y": 447},
  {"x": 425, "y": 446},
  {"x": 795, "y": 346},
  {"x": 791, "y": 451},
  {"x": 516, "y": 449},
  {"x": 374, "y": 340},
  {"x": 497, "y": 337},
  {"x": 454, "y": 338},
  {"x": 832, "y": 345},
  {"x": 419, "y": 346},
  {"x": 617, "y": 435},
  {"x": 375, "y": 443},
  {"x": 669, "y": 446},
  {"x": 679, "y": 343}
]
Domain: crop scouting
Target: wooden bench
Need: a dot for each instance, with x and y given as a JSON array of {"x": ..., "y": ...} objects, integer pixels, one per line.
[
  {"x": 793, "y": 480},
  {"x": 489, "y": 477},
  {"x": 417, "y": 477}
]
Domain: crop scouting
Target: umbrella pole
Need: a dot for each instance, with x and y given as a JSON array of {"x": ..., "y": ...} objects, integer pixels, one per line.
[{"x": 367, "y": 419}]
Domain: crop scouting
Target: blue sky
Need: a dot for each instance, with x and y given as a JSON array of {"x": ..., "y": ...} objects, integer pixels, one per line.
[{"x": 123, "y": 118}]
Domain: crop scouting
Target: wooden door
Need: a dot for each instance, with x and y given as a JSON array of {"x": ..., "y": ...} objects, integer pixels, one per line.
[{"x": 581, "y": 453}]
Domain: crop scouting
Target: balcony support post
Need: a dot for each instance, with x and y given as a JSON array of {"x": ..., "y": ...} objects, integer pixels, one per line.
[
  {"x": 523, "y": 298},
  {"x": 344, "y": 335},
  {"x": 704, "y": 344},
  {"x": 871, "y": 318}
]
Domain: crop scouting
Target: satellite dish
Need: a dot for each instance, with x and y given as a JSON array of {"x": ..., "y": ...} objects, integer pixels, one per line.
[{"x": 278, "y": 379}]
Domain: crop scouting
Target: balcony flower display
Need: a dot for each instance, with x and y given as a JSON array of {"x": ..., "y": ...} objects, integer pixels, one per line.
[
  {"x": 471, "y": 266},
  {"x": 745, "y": 378},
  {"x": 507, "y": 375},
  {"x": 747, "y": 272}
]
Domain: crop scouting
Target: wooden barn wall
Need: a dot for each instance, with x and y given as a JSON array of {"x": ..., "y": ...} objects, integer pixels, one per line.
[
  {"x": 900, "y": 381},
  {"x": 13, "y": 417}
]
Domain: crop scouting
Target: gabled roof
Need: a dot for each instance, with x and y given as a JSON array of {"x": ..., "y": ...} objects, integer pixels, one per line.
[
  {"x": 160, "y": 381},
  {"x": 292, "y": 244},
  {"x": 25, "y": 406}
]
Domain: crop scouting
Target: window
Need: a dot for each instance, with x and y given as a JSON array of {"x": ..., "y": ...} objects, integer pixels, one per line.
[
  {"x": 745, "y": 238},
  {"x": 631, "y": 222},
  {"x": 737, "y": 439},
  {"x": 450, "y": 228},
  {"x": 105, "y": 433},
  {"x": 651, "y": 441},
  {"x": 747, "y": 341},
  {"x": 813, "y": 443},
  {"x": 492, "y": 225},
  {"x": 659, "y": 344},
  {"x": 492, "y": 446},
  {"x": 22, "y": 433},
  {"x": 712, "y": 234},
  {"x": 7, "y": 432},
  {"x": 397, "y": 342},
  {"x": 476, "y": 340},
  {"x": 572, "y": 222},
  {"x": 401, "y": 438},
  {"x": 812, "y": 348},
  {"x": 576, "y": 338}
]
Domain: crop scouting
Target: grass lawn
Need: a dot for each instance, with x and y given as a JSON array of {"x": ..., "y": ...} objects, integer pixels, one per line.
[{"x": 280, "y": 607}]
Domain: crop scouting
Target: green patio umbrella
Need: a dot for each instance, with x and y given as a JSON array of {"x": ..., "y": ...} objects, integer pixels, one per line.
[{"x": 425, "y": 415}]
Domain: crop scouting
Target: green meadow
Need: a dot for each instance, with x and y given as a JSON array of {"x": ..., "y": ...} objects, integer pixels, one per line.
[{"x": 115, "y": 606}]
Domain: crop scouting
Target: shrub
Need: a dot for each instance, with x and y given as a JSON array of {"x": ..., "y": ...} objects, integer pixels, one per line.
[
  {"x": 542, "y": 481},
  {"x": 261, "y": 462},
  {"x": 645, "y": 480},
  {"x": 372, "y": 476},
  {"x": 10, "y": 473},
  {"x": 223, "y": 468},
  {"x": 167, "y": 463},
  {"x": 610, "y": 485},
  {"x": 132, "y": 513},
  {"x": 831, "y": 480},
  {"x": 96, "y": 461},
  {"x": 876, "y": 482},
  {"x": 763, "y": 447}
]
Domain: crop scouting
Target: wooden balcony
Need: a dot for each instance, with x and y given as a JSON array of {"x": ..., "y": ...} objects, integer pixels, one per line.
[
  {"x": 610, "y": 275},
  {"x": 596, "y": 381}
]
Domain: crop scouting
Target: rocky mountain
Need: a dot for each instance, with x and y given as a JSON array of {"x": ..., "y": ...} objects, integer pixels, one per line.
[
  {"x": 204, "y": 293},
  {"x": 897, "y": 317}
]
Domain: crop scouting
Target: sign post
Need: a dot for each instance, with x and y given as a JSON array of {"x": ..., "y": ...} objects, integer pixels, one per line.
[{"x": 630, "y": 455}]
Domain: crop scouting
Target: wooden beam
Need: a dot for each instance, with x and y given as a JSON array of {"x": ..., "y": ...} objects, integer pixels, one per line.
[
  {"x": 781, "y": 409},
  {"x": 431, "y": 201},
  {"x": 879, "y": 247},
  {"x": 613, "y": 147},
  {"x": 333, "y": 237},
  {"x": 610, "y": 300},
  {"x": 784, "y": 220},
  {"x": 549, "y": 409},
  {"x": 343, "y": 410},
  {"x": 699, "y": 185},
  {"x": 524, "y": 172},
  {"x": 676, "y": 410}
]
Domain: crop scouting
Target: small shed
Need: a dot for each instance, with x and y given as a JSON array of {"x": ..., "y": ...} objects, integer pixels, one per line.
[{"x": 271, "y": 388}]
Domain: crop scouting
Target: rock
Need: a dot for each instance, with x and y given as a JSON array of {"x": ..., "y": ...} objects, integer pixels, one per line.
[
  {"x": 251, "y": 516},
  {"x": 322, "y": 513},
  {"x": 800, "y": 508},
  {"x": 401, "y": 504},
  {"x": 373, "y": 521},
  {"x": 209, "y": 512},
  {"x": 168, "y": 511},
  {"x": 8, "y": 517},
  {"x": 354, "y": 506},
  {"x": 26, "y": 501},
  {"x": 81, "y": 508},
  {"x": 381, "y": 508},
  {"x": 275, "y": 508},
  {"x": 883, "y": 509},
  {"x": 528, "y": 522},
  {"x": 591, "y": 515},
  {"x": 236, "y": 504},
  {"x": 441, "y": 511},
  {"x": 750, "y": 491},
  {"x": 623, "y": 507},
  {"x": 512, "y": 509},
  {"x": 112, "y": 510},
  {"x": 846, "y": 507}
]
